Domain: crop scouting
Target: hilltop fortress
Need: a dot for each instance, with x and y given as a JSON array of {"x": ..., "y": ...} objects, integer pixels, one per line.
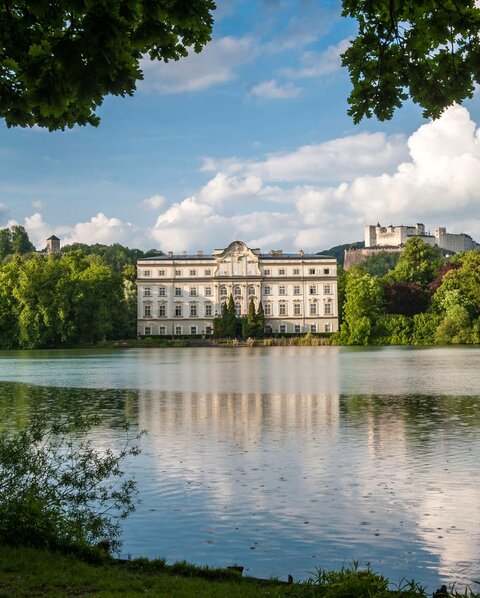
[{"x": 392, "y": 239}]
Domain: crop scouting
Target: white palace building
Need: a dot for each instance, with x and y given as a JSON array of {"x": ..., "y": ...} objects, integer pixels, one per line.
[{"x": 182, "y": 294}]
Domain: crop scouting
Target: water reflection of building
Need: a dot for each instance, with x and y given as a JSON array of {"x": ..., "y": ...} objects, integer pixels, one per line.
[{"x": 238, "y": 418}]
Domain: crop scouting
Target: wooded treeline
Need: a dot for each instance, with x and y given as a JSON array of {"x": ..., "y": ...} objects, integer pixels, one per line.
[
  {"x": 84, "y": 294},
  {"x": 424, "y": 299}
]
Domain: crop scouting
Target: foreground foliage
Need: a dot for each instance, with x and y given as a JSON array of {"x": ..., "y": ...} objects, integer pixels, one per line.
[
  {"x": 27, "y": 572},
  {"x": 424, "y": 50},
  {"x": 57, "y": 491},
  {"x": 59, "y": 58}
]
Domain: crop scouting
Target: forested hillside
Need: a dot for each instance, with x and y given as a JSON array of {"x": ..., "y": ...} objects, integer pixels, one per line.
[{"x": 424, "y": 299}]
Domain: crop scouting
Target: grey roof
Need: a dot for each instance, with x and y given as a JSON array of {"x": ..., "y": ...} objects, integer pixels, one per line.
[{"x": 263, "y": 256}]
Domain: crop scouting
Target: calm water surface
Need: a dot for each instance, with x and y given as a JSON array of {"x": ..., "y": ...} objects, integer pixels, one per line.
[{"x": 284, "y": 459}]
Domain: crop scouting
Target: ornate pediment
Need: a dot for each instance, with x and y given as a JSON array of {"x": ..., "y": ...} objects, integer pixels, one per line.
[{"x": 237, "y": 260}]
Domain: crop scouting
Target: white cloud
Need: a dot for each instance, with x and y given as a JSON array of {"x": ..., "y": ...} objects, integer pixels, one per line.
[
  {"x": 340, "y": 159},
  {"x": 287, "y": 200},
  {"x": 99, "y": 229},
  {"x": 153, "y": 203},
  {"x": 273, "y": 90},
  {"x": 224, "y": 187},
  {"x": 216, "y": 64},
  {"x": 319, "y": 64}
]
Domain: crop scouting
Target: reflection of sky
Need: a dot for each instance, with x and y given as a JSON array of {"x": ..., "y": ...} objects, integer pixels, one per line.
[
  {"x": 284, "y": 459},
  {"x": 308, "y": 480},
  {"x": 282, "y": 370}
]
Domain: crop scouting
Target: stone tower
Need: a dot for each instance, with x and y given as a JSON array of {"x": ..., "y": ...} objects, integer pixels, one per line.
[{"x": 53, "y": 244}]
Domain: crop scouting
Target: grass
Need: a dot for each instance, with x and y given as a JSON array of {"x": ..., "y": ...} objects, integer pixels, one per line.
[{"x": 32, "y": 572}]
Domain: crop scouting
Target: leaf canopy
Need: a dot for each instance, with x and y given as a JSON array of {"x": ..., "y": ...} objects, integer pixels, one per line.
[{"x": 60, "y": 58}]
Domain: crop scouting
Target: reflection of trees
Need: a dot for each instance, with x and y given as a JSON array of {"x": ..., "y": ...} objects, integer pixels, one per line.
[
  {"x": 422, "y": 418},
  {"x": 19, "y": 402}
]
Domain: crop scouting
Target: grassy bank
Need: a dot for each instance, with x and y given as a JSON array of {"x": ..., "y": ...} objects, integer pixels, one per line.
[{"x": 32, "y": 572}]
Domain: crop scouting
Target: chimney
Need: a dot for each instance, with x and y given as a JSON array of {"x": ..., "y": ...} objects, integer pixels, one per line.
[
  {"x": 200, "y": 253},
  {"x": 170, "y": 254},
  {"x": 301, "y": 253},
  {"x": 184, "y": 253}
]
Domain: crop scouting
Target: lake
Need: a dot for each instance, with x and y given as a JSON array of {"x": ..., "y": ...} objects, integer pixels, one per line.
[{"x": 284, "y": 459}]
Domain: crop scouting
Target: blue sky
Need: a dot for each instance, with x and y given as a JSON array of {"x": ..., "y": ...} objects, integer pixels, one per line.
[{"x": 248, "y": 140}]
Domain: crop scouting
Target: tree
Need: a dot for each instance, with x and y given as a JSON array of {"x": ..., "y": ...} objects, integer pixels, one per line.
[
  {"x": 14, "y": 240},
  {"x": 230, "y": 319},
  {"x": 362, "y": 308},
  {"x": 418, "y": 263},
  {"x": 56, "y": 490},
  {"x": 251, "y": 327},
  {"x": 260, "y": 320},
  {"x": 406, "y": 298},
  {"x": 379, "y": 264},
  {"x": 425, "y": 50},
  {"x": 59, "y": 58}
]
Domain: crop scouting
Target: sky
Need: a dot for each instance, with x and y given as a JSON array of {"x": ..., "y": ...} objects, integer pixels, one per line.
[{"x": 249, "y": 140}]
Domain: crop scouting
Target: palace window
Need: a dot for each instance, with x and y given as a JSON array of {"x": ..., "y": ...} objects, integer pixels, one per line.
[
  {"x": 283, "y": 329},
  {"x": 162, "y": 331},
  {"x": 311, "y": 271},
  {"x": 238, "y": 309},
  {"x": 208, "y": 291},
  {"x": 148, "y": 330},
  {"x": 313, "y": 309},
  {"x": 223, "y": 291},
  {"x": 208, "y": 310},
  {"x": 237, "y": 290},
  {"x": 193, "y": 272},
  {"x": 328, "y": 328},
  {"x": 281, "y": 272},
  {"x": 298, "y": 328},
  {"x": 312, "y": 289},
  {"x": 327, "y": 309},
  {"x": 296, "y": 271},
  {"x": 267, "y": 291},
  {"x": 313, "y": 328},
  {"x": 282, "y": 309},
  {"x": 193, "y": 291},
  {"x": 297, "y": 309},
  {"x": 193, "y": 310},
  {"x": 251, "y": 290},
  {"x": 161, "y": 272},
  {"x": 208, "y": 272},
  {"x": 296, "y": 290},
  {"x": 193, "y": 330},
  {"x": 326, "y": 270},
  {"x": 327, "y": 289},
  {"x": 178, "y": 330},
  {"x": 178, "y": 291},
  {"x": 267, "y": 309},
  {"x": 162, "y": 311},
  {"x": 147, "y": 272},
  {"x": 147, "y": 310},
  {"x": 282, "y": 290},
  {"x": 147, "y": 291},
  {"x": 178, "y": 311},
  {"x": 162, "y": 291},
  {"x": 267, "y": 272},
  {"x": 178, "y": 272}
]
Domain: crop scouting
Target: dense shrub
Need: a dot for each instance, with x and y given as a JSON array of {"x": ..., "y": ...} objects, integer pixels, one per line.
[{"x": 57, "y": 491}]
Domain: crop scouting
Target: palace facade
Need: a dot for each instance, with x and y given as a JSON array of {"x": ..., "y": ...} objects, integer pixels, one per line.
[{"x": 182, "y": 294}]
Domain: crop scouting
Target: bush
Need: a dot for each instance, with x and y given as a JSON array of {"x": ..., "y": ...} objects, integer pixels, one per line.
[{"x": 57, "y": 491}]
